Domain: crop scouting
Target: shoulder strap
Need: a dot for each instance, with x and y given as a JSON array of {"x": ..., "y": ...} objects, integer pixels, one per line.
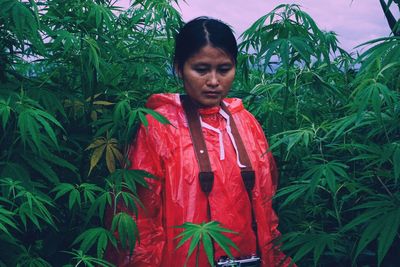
[
  {"x": 206, "y": 175},
  {"x": 247, "y": 172}
]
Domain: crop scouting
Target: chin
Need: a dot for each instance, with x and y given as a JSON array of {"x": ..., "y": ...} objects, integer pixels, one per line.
[{"x": 210, "y": 104}]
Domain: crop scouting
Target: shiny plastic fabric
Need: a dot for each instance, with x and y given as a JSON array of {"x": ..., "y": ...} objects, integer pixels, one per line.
[{"x": 167, "y": 152}]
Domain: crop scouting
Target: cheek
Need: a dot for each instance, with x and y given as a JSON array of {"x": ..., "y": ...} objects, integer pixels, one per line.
[
  {"x": 192, "y": 85},
  {"x": 194, "y": 81},
  {"x": 229, "y": 79}
]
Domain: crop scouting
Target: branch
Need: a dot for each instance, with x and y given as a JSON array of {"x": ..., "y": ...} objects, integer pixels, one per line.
[{"x": 390, "y": 18}]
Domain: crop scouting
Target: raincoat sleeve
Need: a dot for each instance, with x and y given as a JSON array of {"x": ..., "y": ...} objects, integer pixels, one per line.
[
  {"x": 144, "y": 155},
  {"x": 265, "y": 189}
]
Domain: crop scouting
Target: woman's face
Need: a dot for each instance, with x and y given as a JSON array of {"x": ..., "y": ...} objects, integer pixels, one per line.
[{"x": 208, "y": 76}]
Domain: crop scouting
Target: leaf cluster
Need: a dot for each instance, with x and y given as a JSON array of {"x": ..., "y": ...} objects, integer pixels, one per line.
[
  {"x": 333, "y": 122},
  {"x": 74, "y": 76},
  {"x": 206, "y": 234}
]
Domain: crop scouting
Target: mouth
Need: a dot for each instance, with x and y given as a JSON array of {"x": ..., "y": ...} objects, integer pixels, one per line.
[{"x": 212, "y": 94}]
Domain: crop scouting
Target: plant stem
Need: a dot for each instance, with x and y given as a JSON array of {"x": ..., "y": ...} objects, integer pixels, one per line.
[
  {"x": 384, "y": 186},
  {"x": 197, "y": 255}
]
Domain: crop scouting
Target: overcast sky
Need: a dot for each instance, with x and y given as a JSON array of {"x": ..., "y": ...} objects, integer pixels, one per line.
[{"x": 355, "y": 21}]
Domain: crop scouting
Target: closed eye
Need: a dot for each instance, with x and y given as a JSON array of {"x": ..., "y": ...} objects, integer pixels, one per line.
[
  {"x": 201, "y": 70},
  {"x": 224, "y": 69}
]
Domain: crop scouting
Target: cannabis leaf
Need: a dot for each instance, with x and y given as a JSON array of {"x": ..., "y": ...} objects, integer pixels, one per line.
[{"x": 205, "y": 233}]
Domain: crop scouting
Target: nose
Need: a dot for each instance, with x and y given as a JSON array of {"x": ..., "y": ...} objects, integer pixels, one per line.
[{"x": 212, "y": 80}]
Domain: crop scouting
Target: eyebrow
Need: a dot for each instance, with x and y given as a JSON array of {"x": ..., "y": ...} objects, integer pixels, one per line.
[{"x": 208, "y": 64}]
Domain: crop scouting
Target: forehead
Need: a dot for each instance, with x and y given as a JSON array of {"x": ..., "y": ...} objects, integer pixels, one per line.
[{"x": 210, "y": 54}]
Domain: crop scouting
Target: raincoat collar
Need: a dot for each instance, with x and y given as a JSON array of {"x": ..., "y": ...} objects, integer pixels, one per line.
[{"x": 158, "y": 100}]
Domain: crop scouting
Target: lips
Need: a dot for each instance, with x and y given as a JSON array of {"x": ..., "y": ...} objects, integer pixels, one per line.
[{"x": 211, "y": 94}]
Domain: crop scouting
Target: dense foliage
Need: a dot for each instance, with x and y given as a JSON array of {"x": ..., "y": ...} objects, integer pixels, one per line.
[{"x": 74, "y": 76}]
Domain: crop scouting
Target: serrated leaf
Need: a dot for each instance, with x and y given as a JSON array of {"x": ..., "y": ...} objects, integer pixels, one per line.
[
  {"x": 6, "y": 219},
  {"x": 5, "y": 111},
  {"x": 103, "y": 103},
  {"x": 143, "y": 119},
  {"x": 361, "y": 219},
  {"x": 201, "y": 233},
  {"x": 110, "y": 160},
  {"x": 396, "y": 163},
  {"x": 97, "y": 153},
  {"x": 390, "y": 227},
  {"x": 155, "y": 115},
  {"x": 91, "y": 236},
  {"x": 208, "y": 248},
  {"x": 44, "y": 168},
  {"x": 29, "y": 128},
  {"x": 368, "y": 235},
  {"x": 48, "y": 129},
  {"x": 60, "y": 162},
  {"x": 62, "y": 189},
  {"x": 194, "y": 243},
  {"x": 96, "y": 143},
  {"x": 74, "y": 198},
  {"x": 127, "y": 230}
]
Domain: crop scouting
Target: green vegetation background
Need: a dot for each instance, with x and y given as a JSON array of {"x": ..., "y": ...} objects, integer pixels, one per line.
[{"x": 74, "y": 77}]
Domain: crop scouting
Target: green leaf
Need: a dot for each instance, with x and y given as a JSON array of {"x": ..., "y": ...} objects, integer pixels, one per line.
[
  {"x": 155, "y": 115},
  {"x": 80, "y": 257},
  {"x": 94, "y": 50},
  {"x": 43, "y": 168},
  {"x": 390, "y": 227},
  {"x": 7, "y": 220},
  {"x": 284, "y": 52},
  {"x": 203, "y": 233},
  {"x": 396, "y": 163},
  {"x": 292, "y": 192},
  {"x": 361, "y": 219},
  {"x": 30, "y": 123},
  {"x": 143, "y": 119},
  {"x": 48, "y": 129},
  {"x": 132, "y": 118},
  {"x": 59, "y": 161},
  {"x": 195, "y": 240},
  {"x": 62, "y": 189},
  {"x": 208, "y": 248},
  {"x": 74, "y": 198},
  {"x": 101, "y": 202},
  {"x": 121, "y": 110},
  {"x": 91, "y": 236},
  {"x": 368, "y": 235},
  {"x": 5, "y": 111},
  {"x": 29, "y": 128},
  {"x": 127, "y": 230}
]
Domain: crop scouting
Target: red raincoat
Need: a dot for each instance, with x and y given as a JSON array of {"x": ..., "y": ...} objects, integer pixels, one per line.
[{"x": 167, "y": 152}]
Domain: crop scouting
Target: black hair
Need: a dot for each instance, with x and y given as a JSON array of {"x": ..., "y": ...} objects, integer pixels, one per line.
[{"x": 200, "y": 32}]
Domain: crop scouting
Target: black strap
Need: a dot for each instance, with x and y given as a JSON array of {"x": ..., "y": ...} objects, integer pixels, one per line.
[
  {"x": 248, "y": 174},
  {"x": 206, "y": 175}
]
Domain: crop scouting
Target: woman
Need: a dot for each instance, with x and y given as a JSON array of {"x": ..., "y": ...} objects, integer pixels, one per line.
[{"x": 205, "y": 59}]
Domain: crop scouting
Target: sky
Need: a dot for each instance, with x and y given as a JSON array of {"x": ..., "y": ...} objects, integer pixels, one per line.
[{"x": 354, "y": 21}]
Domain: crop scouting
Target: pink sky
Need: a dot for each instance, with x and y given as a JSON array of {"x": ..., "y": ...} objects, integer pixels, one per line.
[{"x": 355, "y": 21}]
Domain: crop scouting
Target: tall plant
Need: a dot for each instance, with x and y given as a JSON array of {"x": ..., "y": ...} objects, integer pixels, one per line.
[
  {"x": 334, "y": 130},
  {"x": 74, "y": 76}
]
